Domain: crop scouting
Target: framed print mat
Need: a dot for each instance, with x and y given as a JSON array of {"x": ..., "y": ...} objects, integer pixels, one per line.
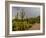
[{"x": 24, "y": 18}]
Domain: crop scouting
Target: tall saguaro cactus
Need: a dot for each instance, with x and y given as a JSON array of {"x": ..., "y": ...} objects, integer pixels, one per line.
[
  {"x": 27, "y": 19},
  {"x": 22, "y": 14},
  {"x": 16, "y": 17}
]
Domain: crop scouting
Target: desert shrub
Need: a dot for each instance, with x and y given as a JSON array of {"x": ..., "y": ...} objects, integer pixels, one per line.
[
  {"x": 30, "y": 25},
  {"x": 19, "y": 26},
  {"x": 32, "y": 22},
  {"x": 13, "y": 26},
  {"x": 37, "y": 20}
]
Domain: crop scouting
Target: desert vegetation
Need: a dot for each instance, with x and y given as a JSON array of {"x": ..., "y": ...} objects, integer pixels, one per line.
[{"x": 23, "y": 24}]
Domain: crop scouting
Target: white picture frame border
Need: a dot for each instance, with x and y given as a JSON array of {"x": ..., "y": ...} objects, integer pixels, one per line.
[{"x": 31, "y": 31}]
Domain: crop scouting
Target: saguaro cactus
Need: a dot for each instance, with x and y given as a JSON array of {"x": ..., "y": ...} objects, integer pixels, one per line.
[{"x": 22, "y": 14}]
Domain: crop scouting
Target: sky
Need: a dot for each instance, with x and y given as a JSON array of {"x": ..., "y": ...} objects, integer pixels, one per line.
[{"x": 29, "y": 11}]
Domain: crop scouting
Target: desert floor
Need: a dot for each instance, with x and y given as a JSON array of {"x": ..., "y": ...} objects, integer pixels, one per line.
[{"x": 35, "y": 26}]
